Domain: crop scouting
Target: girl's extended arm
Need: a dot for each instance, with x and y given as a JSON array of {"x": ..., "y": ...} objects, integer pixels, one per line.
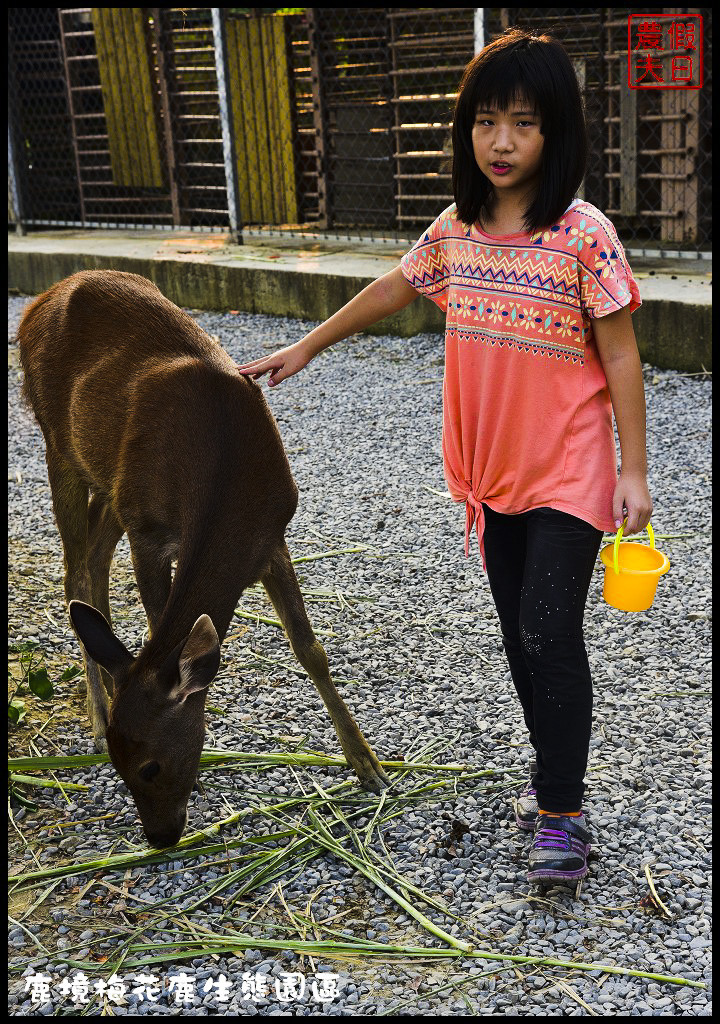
[
  {"x": 618, "y": 351},
  {"x": 388, "y": 294}
]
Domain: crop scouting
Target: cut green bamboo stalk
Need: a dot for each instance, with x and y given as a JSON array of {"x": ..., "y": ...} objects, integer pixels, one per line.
[
  {"x": 135, "y": 858},
  {"x": 257, "y": 617},
  {"x": 365, "y": 946},
  {"x": 369, "y": 855},
  {"x": 405, "y": 886},
  {"x": 440, "y": 494},
  {"x": 375, "y": 876},
  {"x": 329, "y": 554},
  {"x": 309, "y": 758},
  {"x": 319, "y": 592},
  {"x": 186, "y": 846},
  {"x": 54, "y": 761},
  {"x": 682, "y": 693},
  {"x": 462, "y": 949},
  {"x": 272, "y": 868},
  {"x": 31, "y": 780}
]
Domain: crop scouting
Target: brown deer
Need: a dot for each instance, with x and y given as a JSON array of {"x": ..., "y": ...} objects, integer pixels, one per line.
[{"x": 151, "y": 431}]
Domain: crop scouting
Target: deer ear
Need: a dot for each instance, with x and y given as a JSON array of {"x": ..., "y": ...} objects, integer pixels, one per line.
[
  {"x": 199, "y": 660},
  {"x": 98, "y": 639}
]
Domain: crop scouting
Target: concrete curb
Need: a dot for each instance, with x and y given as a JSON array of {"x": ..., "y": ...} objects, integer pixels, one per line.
[{"x": 673, "y": 333}]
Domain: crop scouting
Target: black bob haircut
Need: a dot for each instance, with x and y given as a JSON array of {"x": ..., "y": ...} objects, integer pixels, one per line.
[{"x": 522, "y": 65}]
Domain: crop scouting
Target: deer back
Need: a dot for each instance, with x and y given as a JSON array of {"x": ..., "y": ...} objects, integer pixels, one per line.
[{"x": 145, "y": 405}]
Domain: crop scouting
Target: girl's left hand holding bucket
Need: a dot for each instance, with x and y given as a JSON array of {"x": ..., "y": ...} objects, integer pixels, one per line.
[{"x": 632, "y": 500}]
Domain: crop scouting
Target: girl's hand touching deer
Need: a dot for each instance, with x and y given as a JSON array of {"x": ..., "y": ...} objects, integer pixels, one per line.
[
  {"x": 281, "y": 364},
  {"x": 387, "y": 295}
]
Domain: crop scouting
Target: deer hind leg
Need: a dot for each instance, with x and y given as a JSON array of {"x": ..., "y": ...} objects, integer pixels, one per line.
[
  {"x": 104, "y": 532},
  {"x": 283, "y": 590},
  {"x": 70, "y": 504}
]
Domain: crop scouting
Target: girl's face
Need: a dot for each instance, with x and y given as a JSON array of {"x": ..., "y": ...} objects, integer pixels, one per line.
[{"x": 508, "y": 148}]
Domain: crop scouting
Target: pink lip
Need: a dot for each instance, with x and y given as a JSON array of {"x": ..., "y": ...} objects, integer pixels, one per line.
[{"x": 500, "y": 170}]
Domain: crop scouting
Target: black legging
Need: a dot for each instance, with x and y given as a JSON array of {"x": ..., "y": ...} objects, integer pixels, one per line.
[{"x": 539, "y": 566}]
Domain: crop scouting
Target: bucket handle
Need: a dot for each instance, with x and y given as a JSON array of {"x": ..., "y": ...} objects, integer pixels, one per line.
[{"x": 616, "y": 545}]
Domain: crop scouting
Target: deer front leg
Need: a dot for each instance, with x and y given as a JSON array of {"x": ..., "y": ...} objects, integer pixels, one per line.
[
  {"x": 70, "y": 504},
  {"x": 104, "y": 532},
  {"x": 283, "y": 590},
  {"x": 153, "y": 573}
]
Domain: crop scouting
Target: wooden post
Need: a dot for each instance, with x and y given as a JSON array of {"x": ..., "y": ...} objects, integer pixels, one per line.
[
  {"x": 71, "y": 108},
  {"x": 168, "y": 137},
  {"x": 628, "y": 144},
  {"x": 319, "y": 119},
  {"x": 679, "y": 185},
  {"x": 579, "y": 65}
]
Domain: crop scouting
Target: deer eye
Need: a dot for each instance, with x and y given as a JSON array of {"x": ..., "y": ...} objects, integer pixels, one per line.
[{"x": 149, "y": 771}]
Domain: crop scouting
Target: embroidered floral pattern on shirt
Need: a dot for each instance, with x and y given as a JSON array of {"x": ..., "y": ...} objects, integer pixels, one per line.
[
  {"x": 466, "y": 307},
  {"x": 578, "y": 234},
  {"x": 605, "y": 263}
]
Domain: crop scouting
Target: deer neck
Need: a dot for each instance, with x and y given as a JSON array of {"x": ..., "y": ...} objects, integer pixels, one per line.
[{"x": 202, "y": 585}]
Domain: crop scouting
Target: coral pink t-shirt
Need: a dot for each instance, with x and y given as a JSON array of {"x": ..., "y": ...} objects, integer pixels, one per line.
[{"x": 527, "y": 417}]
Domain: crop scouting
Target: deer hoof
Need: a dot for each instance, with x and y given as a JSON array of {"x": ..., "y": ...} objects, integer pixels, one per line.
[
  {"x": 101, "y": 745},
  {"x": 371, "y": 775}
]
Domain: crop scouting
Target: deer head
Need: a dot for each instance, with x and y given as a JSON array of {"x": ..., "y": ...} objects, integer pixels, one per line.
[{"x": 157, "y": 721}]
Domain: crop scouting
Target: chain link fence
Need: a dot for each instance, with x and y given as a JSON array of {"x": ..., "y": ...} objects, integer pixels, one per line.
[{"x": 329, "y": 121}]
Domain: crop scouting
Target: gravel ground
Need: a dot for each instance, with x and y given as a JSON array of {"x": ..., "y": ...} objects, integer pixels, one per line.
[{"x": 362, "y": 429}]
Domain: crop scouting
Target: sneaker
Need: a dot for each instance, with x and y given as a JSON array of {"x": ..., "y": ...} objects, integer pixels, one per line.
[
  {"x": 559, "y": 850},
  {"x": 526, "y": 805}
]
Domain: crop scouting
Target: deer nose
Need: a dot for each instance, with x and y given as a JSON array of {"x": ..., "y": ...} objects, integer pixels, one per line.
[{"x": 162, "y": 837}]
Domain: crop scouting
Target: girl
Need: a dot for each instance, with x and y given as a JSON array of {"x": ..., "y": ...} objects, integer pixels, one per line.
[{"x": 539, "y": 352}]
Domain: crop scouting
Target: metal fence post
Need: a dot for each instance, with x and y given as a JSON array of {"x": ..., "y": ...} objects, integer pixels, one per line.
[
  {"x": 15, "y": 194},
  {"x": 479, "y": 29},
  {"x": 13, "y": 184},
  {"x": 13, "y": 176},
  {"x": 228, "y": 134}
]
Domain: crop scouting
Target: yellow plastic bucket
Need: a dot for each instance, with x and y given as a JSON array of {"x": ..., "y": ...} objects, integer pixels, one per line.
[{"x": 632, "y": 572}]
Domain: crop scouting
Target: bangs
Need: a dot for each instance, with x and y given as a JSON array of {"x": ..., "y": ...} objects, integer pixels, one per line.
[
  {"x": 506, "y": 83},
  {"x": 504, "y": 92}
]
